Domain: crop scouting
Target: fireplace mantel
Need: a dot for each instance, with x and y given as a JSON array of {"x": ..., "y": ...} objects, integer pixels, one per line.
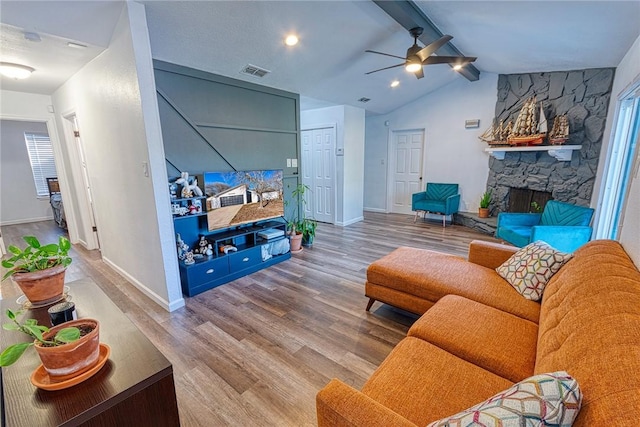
[{"x": 560, "y": 152}]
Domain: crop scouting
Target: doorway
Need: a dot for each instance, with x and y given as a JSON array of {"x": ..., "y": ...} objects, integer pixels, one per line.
[
  {"x": 405, "y": 169},
  {"x": 318, "y": 172},
  {"x": 621, "y": 162},
  {"x": 87, "y": 231}
]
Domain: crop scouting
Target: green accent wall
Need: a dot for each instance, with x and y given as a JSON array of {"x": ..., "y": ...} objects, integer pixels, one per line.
[{"x": 216, "y": 123}]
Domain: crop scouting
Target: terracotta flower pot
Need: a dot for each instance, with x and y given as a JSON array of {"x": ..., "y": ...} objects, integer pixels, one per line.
[
  {"x": 43, "y": 286},
  {"x": 296, "y": 242},
  {"x": 69, "y": 360},
  {"x": 483, "y": 212}
]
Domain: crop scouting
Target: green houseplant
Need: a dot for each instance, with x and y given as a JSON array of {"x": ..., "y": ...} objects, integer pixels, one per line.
[
  {"x": 485, "y": 201},
  {"x": 39, "y": 269},
  {"x": 300, "y": 226},
  {"x": 65, "y": 350}
]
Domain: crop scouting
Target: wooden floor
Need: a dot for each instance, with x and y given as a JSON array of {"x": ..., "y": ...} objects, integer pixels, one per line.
[{"x": 255, "y": 352}]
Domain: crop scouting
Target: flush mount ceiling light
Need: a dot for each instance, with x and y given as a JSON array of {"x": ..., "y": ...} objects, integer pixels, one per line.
[
  {"x": 395, "y": 83},
  {"x": 291, "y": 40},
  {"x": 15, "y": 71}
]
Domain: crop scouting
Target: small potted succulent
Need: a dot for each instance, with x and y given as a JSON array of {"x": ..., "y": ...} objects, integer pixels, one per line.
[
  {"x": 39, "y": 269},
  {"x": 66, "y": 350},
  {"x": 485, "y": 201}
]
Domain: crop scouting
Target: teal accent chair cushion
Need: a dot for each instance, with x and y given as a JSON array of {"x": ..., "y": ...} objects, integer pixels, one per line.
[
  {"x": 562, "y": 225},
  {"x": 437, "y": 198}
]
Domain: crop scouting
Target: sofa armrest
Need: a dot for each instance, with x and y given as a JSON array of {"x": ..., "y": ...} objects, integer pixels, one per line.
[
  {"x": 521, "y": 219},
  {"x": 452, "y": 204},
  {"x": 490, "y": 254},
  {"x": 338, "y": 404},
  {"x": 566, "y": 238},
  {"x": 415, "y": 197}
]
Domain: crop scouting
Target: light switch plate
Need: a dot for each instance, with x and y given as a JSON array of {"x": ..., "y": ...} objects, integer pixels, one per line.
[
  {"x": 294, "y": 163},
  {"x": 288, "y": 163}
]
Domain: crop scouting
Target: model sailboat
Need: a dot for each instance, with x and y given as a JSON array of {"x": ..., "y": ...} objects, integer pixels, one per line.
[
  {"x": 497, "y": 135},
  {"x": 560, "y": 130},
  {"x": 530, "y": 128}
]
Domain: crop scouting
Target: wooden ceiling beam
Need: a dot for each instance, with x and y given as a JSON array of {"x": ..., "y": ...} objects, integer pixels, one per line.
[{"x": 409, "y": 15}]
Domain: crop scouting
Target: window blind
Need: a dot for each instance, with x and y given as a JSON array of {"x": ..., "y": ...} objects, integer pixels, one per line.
[{"x": 41, "y": 158}]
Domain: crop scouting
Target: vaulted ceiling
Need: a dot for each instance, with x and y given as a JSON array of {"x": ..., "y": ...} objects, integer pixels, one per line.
[{"x": 327, "y": 67}]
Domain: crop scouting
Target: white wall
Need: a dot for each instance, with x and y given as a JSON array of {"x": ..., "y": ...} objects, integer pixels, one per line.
[
  {"x": 627, "y": 72},
  {"x": 354, "y": 137},
  {"x": 115, "y": 103},
  {"x": 349, "y": 122},
  {"x": 19, "y": 201},
  {"x": 452, "y": 153}
]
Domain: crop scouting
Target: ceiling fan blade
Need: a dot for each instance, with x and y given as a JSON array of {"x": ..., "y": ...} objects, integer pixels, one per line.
[
  {"x": 385, "y": 54},
  {"x": 385, "y": 68},
  {"x": 419, "y": 74},
  {"x": 448, "y": 60},
  {"x": 430, "y": 49}
]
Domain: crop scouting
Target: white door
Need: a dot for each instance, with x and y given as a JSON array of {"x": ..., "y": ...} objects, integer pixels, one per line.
[
  {"x": 88, "y": 216},
  {"x": 405, "y": 169},
  {"x": 318, "y": 172}
]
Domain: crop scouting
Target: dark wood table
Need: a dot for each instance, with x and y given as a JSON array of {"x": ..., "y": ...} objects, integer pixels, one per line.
[{"x": 134, "y": 388}]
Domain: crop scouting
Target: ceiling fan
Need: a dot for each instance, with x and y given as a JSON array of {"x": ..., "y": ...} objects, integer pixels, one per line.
[{"x": 418, "y": 56}]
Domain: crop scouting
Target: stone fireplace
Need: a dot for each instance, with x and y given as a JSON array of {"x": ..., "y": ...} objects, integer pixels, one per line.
[{"x": 584, "y": 96}]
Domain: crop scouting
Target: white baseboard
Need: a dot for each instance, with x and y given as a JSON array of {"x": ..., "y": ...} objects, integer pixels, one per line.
[
  {"x": 379, "y": 210},
  {"x": 351, "y": 221},
  {"x": 26, "y": 220},
  {"x": 148, "y": 292}
]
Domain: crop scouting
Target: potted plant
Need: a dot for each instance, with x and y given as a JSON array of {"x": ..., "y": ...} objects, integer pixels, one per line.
[
  {"x": 302, "y": 230},
  {"x": 485, "y": 201},
  {"x": 66, "y": 350},
  {"x": 39, "y": 269}
]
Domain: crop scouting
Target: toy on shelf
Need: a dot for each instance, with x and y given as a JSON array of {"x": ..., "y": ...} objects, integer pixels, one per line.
[
  {"x": 204, "y": 247},
  {"x": 183, "y": 248},
  {"x": 188, "y": 188}
]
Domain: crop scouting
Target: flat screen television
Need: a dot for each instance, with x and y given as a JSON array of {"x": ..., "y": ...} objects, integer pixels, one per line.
[{"x": 243, "y": 197}]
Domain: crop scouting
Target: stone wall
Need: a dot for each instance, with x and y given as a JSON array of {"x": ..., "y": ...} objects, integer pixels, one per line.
[{"x": 584, "y": 96}]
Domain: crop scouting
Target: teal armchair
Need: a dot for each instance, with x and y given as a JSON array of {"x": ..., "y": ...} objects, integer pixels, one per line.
[
  {"x": 437, "y": 198},
  {"x": 561, "y": 225}
]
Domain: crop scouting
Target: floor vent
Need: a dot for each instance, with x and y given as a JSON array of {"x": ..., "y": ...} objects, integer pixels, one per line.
[
  {"x": 254, "y": 70},
  {"x": 363, "y": 99}
]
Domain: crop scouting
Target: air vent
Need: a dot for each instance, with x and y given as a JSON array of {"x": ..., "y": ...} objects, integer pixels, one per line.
[
  {"x": 254, "y": 70},
  {"x": 363, "y": 99}
]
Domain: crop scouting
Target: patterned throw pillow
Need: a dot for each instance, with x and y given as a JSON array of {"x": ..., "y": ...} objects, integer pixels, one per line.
[
  {"x": 529, "y": 269},
  {"x": 541, "y": 400}
]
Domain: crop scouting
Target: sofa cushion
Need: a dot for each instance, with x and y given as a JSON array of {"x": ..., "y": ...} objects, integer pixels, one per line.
[
  {"x": 590, "y": 327},
  {"x": 432, "y": 275},
  {"x": 423, "y": 383},
  {"x": 480, "y": 334},
  {"x": 545, "y": 399},
  {"x": 430, "y": 205},
  {"x": 518, "y": 235},
  {"x": 529, "y": 269}
]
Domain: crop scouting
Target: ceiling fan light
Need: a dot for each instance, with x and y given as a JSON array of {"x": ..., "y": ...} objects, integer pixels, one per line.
[
  {"x": 412, "y": 67},
  {"x": 15, "y": 71},
  {"x": 457, "y": 67}
]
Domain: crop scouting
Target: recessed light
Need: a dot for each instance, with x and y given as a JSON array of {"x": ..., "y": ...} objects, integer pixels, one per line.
[
  {"x": 395, "y": 83},
  {"x": 291, "y": 40},
  {"x": 15, "y": 71},
  {"x": 76, "y": 45},
  {"x": 457, "y": 67}
]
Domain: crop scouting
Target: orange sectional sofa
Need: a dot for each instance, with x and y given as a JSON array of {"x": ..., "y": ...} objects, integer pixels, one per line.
[{"x": 478, "y": 336}]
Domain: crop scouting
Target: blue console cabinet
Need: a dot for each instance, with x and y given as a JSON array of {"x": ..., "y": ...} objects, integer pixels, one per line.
[{"x": 209, "y": 272}]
